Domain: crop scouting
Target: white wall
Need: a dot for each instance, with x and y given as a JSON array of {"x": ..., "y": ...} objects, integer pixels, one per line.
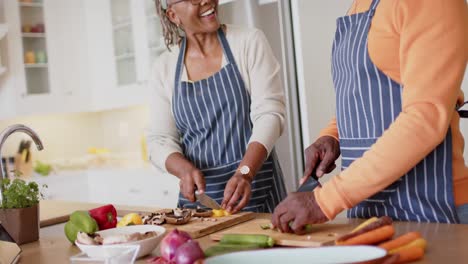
[
  {"x": 315, "y": 24},
  {"x": 265, "y": 17}
]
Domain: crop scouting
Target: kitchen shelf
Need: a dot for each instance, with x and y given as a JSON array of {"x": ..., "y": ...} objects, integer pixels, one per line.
[
  {"x": 33, "y": 35},
  {"x": 125, "y": 56},
  {"x": 36, "y": 4},
  {"x": 35, "y": 65}
]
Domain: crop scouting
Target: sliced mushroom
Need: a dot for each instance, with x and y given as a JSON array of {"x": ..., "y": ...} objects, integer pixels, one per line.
[
  {"x": 154, "y": 219},
  {"x": 179, "y": 217},
  {"x": 200, "y": 212},
  {"x": 85, "y": 239}
]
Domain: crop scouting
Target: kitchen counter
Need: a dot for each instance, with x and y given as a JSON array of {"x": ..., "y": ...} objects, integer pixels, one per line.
[{"x": 446, "y": 243}]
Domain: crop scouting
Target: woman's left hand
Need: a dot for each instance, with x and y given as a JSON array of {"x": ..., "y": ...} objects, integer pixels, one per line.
[{"x": 237, "y": 193}]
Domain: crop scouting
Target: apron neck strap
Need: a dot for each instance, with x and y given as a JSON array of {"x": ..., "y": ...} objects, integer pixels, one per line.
[
  {"x": 373, "y": 7},
  {"x": 224, "y": 43},
  {"x": 180, "y": 62},
  {"x": 183, "y": 48}
]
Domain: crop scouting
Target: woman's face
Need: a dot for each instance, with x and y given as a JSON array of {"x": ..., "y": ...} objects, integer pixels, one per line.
[{"x": 195, "y": 19}]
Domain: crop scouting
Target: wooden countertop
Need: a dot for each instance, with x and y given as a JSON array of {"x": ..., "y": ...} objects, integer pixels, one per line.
[{"x": 447, "y": 243}]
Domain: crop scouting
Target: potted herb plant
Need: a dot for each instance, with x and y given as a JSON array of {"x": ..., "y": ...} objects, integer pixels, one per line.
[{"x": 19, "y": 209}]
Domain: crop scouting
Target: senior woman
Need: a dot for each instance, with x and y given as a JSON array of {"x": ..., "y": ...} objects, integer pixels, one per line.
[{"x": 217, "y": 109}]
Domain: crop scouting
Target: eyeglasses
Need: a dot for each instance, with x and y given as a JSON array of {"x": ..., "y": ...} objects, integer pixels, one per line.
[{"x": 194, "y": 2}]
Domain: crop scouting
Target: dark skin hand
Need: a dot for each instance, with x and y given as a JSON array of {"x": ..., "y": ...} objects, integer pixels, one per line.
[
  {"x": 191, "y": 178},
  {"x": 238, "y": 189},
  {"x": 322, "y": 155},
  {"x": 301, "y": 209}
]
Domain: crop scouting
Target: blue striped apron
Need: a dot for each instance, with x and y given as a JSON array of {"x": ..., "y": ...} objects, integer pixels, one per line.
[
  {"x": 213, "y": 118},
  {"x": 368, "y": 101}
]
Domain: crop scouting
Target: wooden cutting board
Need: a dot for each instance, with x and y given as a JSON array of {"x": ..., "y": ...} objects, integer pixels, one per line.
[
  {"x": 322, "y": 235},
  {"x": 198, "y": 228}
]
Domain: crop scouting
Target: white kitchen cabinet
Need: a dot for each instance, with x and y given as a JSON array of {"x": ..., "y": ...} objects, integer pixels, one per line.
[
  {"x": 130, "y": 186},
  {"x": 124, "y": 38},
  {"x": 53, "y": 81}
]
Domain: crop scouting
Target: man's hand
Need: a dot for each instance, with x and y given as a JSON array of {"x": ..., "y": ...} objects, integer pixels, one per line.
[
  {"x": 296, "y": 211},
  {"x": 321, "y": 155},
  {"x": 237, "y": 193},
  {"x": 189, "y": 180}
]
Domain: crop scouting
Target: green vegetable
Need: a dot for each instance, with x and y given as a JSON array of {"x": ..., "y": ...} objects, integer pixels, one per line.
[
  {"x": 19, "y": 194},
  {"x": 253, "y": 240},
  {"x": 80, "y": 221},
  {"x": 308, "y": 227},
  {"x": 221, "y": 249},
  {"x": 43, "y": 168}
]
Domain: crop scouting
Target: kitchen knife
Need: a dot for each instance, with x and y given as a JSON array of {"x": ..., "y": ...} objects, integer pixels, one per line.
[
  {"x": 310, "y": 184},
  {"x": 207, "y": 201}
]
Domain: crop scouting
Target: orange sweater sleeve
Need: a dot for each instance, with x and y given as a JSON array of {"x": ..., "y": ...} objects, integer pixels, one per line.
[
  {"x": 331, "y": 130},
  {"x": 433, "y": 57}
]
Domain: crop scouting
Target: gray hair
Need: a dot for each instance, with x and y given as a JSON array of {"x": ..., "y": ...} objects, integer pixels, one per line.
[{"x": 171, "y": 31}]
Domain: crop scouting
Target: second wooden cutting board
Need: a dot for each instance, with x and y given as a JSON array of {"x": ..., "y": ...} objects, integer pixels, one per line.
[
  {"x": 198, "y": 228},
  {"x": 322, "y": 235}
]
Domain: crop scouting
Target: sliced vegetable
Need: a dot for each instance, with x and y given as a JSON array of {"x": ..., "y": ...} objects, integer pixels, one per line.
[
  {"x": 255, "y": 240},
  {"x": 220, "y": 212},
  {"x": 410, "y": 254},
  {"x": 308, "y": 227},
  {"x": 130, "y": 219},
  {"x": 221, "y": 249},
  {"x": 105, "y": 216}
]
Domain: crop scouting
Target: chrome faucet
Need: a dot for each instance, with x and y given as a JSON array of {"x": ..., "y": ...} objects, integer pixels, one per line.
[{"x": 3, "y": 137}]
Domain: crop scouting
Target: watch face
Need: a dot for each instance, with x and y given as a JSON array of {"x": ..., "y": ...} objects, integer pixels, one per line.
[{"x": 244, "y": 170}]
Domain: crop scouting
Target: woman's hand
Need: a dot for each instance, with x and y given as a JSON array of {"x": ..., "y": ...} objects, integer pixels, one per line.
[
  {"x": 237, "y": 193},
  {"x": 321, "y": 155},
  {"x": 296, "y": 211},
  {"x": 189, "y": 180}
]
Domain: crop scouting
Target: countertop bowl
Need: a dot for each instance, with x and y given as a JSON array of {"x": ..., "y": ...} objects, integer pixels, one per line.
[{"x": 146, "y": 246}]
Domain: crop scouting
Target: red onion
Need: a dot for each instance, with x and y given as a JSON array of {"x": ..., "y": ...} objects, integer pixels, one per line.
[
  {"x": 172, "y": 241},
  {"x": 158, "y": 260},
  {"x": 188, "y": 253}
]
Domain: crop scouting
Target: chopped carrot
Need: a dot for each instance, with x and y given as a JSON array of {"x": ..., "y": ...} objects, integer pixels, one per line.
[
  {"x": 410, "y": 254},
  {"x": 400, "y": 241},
  {"x": 370, "y": 238}
]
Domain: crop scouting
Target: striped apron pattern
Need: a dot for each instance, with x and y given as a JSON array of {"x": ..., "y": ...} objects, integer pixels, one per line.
[
  {"x": 213, "y": 118},
  {"x": 368, "y": 101}
]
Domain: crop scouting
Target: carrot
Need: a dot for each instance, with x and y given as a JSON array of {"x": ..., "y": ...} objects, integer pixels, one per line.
[
  {"x": 372, "y": 237},
  {"x": 367, "y": 222},
  {"x": 410, "y": 254},
  {"x": 420, "y": 243},
  {"x": 400, "y": 241}
]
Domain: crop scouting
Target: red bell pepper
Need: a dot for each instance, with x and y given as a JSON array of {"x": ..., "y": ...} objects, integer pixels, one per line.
[{"x": 105, "y": 216}]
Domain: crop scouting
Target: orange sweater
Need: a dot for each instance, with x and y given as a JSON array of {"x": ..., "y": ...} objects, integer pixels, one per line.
[{"x": 423, "y": 45}]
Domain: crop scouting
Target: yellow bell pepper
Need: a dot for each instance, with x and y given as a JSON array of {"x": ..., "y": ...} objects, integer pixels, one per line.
[
  {"x": 130, "y": 219},
  {"x": 220, "y": 213}
]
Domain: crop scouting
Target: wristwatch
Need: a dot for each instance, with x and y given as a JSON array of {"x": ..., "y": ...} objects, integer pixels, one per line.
[{"x": 245, "y": 170}]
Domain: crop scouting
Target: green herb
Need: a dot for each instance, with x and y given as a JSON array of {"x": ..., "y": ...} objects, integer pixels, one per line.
[{"x": 20, "y": 194}]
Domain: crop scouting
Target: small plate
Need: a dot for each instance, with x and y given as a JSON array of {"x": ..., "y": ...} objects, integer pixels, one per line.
[
  {"x": 323, "y": 255},
  {"x": 107, "y": 251}
]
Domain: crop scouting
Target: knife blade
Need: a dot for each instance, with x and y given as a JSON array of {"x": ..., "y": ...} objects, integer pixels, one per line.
[
  {"x": 310, "y": 184},
  {"x": 207, "y": 201}
]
